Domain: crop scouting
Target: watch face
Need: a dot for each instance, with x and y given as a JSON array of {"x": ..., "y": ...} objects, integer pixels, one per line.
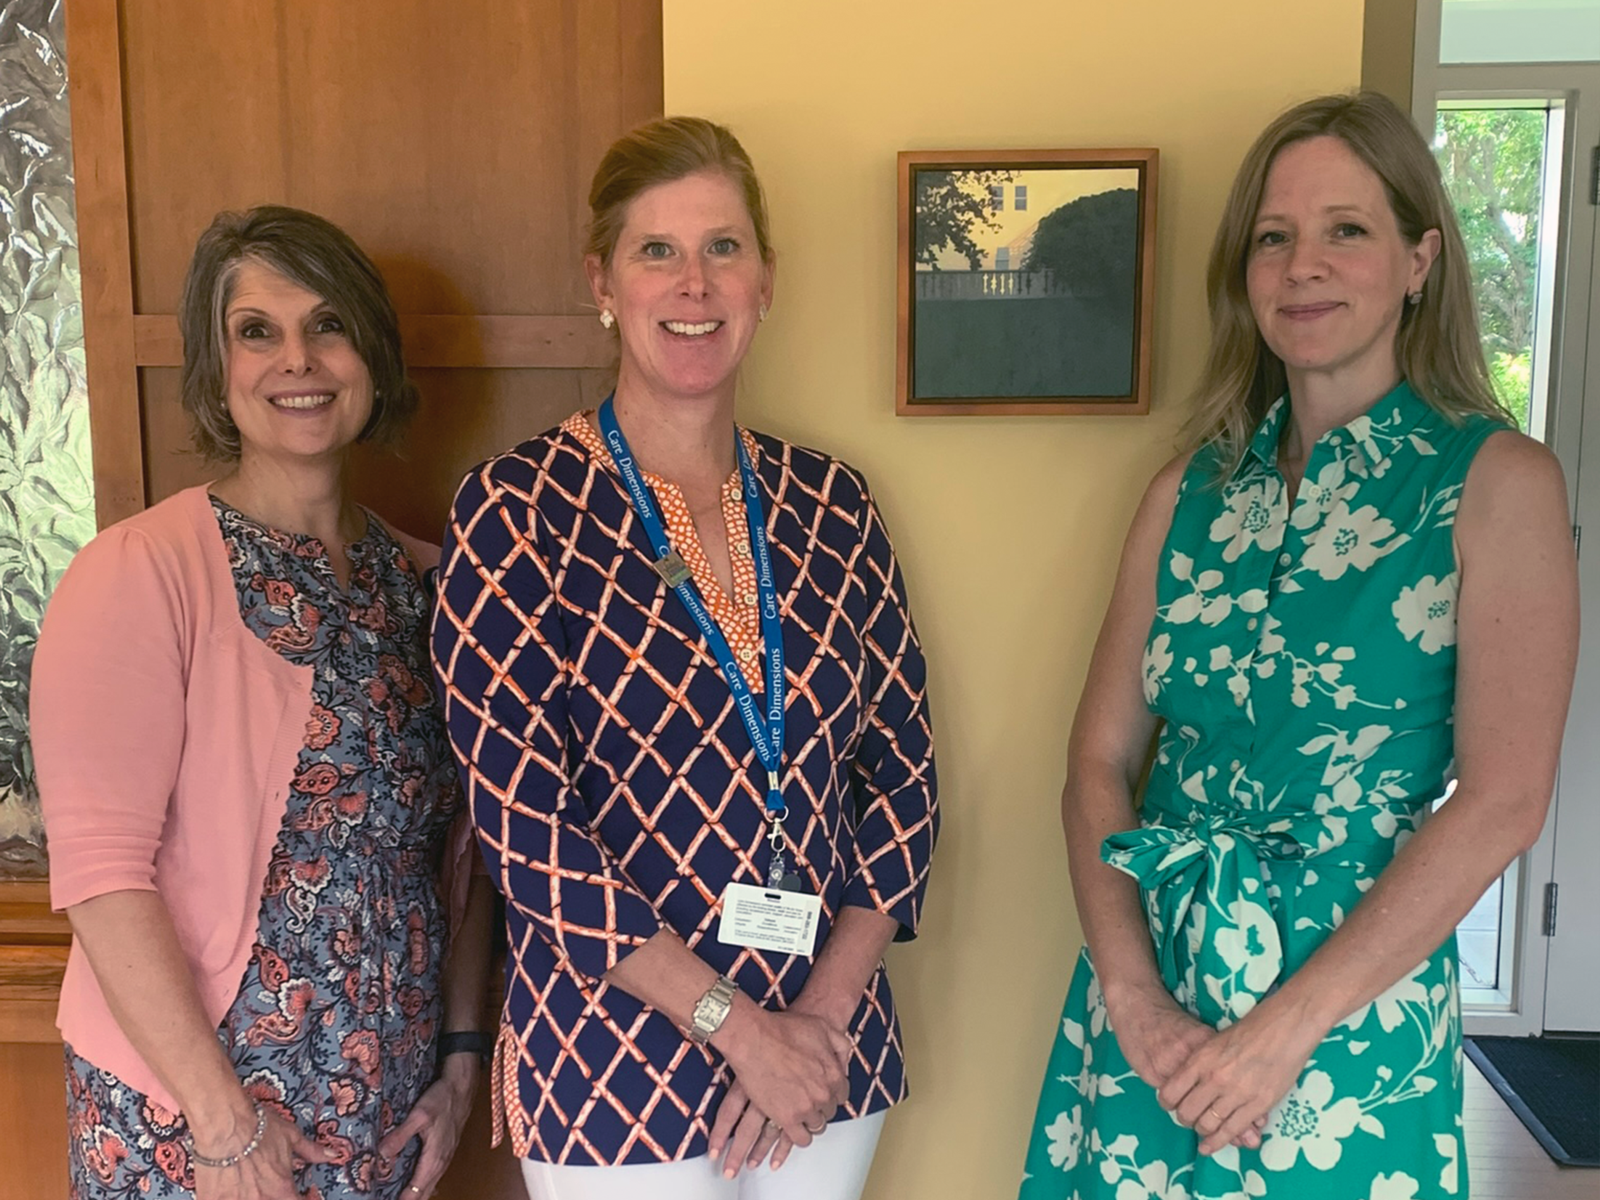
[
  {"x": 712, "y": 1009},
  {"x": 710, "y": 1012}
]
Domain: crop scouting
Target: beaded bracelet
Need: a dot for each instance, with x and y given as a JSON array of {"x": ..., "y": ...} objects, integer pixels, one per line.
[{"x": 233, "y": 1160}]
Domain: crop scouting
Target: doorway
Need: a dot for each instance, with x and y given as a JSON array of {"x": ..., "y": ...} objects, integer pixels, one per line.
[{"x": 1518, "y": 145}]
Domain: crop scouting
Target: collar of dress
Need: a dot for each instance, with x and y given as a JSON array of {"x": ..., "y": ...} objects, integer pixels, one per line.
[
  {"x": 579, "y": 426},
  {"x": 1397, "y": 413}
]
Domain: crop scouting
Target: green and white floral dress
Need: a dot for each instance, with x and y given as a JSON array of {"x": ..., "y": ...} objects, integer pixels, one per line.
[{"x": 1303, "y": 661}]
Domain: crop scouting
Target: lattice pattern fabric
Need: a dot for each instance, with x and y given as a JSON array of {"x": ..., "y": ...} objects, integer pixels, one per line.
[{"x": 615, "y": 790}]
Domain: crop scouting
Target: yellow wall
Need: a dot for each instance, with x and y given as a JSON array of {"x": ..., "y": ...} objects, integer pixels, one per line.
[{"x": 1008, "y": 527}]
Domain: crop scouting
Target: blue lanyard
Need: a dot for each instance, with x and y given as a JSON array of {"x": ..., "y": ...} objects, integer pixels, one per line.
[{"x": 766, "y": 737}]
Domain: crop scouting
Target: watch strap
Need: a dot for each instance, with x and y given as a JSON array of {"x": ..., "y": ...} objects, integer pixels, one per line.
[{"x": 467, "y": 1041}]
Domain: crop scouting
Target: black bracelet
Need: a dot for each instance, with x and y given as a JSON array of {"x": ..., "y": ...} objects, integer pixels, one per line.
[{"x": 467, "y": 1041}]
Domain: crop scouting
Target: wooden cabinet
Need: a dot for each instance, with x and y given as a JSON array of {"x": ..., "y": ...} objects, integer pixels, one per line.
[{"x": 33, "y": 1117}]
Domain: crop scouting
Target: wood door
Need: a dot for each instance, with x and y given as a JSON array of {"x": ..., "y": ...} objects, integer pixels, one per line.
[{"x": 455, "y": 144}]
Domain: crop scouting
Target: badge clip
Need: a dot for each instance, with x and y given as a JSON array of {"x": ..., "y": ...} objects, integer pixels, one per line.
[{"x": 672, "y": 569}]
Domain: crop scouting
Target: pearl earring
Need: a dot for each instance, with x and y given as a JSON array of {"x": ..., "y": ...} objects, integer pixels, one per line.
[{"x": 607, "y": 318}]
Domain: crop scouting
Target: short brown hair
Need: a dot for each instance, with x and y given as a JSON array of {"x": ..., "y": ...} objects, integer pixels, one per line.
[
  {"x": 664, "y": 151},
  {"x": 316, "y": 254},
  {"x": 1437, "y": 348}
]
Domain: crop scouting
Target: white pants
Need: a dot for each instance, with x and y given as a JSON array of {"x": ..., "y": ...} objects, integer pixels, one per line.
[{"x": 833, "y": 1167}]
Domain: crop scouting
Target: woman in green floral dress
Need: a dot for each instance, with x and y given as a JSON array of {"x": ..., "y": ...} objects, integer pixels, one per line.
[{"x": 1359, "y": 586}]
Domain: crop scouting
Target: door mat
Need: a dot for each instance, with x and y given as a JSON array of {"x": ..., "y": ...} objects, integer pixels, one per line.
[{"x": 1553, "y": 1085}]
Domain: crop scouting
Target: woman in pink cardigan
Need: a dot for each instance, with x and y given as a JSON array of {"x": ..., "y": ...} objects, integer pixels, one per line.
[{"x": 252, "y": 812}]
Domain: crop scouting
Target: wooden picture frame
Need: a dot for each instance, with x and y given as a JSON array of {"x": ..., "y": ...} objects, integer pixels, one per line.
[{"x": 1026, "y": 282}]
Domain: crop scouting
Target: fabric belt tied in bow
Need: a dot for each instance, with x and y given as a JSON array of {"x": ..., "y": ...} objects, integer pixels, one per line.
[{"x": 1216, "y": 932}]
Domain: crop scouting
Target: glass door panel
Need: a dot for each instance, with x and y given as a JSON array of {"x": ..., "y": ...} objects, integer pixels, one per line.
[{"x": 1501, "y": 163}]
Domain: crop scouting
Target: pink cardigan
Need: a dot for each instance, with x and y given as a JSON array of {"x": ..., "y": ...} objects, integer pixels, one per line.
[{"x": 165, "y": 735}]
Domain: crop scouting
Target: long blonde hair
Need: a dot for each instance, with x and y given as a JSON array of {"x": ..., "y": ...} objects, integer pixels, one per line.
[{"x": 1437, "y": 348}]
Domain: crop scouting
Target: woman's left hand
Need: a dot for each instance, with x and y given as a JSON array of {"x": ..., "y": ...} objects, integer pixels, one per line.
[
  {"x": 436, "y": 1118},
  {"x": 1227, "y": 1087},
  {"x": 744, "y": 1134},
  {"x": 741, "y": 1131}
]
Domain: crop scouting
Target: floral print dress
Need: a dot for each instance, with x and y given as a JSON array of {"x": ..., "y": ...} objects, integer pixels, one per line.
[
  {"x": 337, "y": 1014},
  {"x": 1302, "y": 660}
]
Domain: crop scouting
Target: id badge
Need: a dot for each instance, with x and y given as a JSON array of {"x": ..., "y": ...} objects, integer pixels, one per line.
[{"x": 769, "y": 919}]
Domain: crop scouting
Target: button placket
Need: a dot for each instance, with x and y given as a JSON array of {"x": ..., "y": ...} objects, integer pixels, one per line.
[
  {"x": 1252, "y": 573},
  {"x": 1327, "y": 451}
]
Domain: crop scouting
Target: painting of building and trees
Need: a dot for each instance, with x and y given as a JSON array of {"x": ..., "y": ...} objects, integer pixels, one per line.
[{"x": 1025, "y": 282}]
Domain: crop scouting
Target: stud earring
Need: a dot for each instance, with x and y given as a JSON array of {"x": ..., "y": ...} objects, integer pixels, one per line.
[
  {"x": 607, "y": 318},
  {"x": 1415, "y": 298},
  {"x": 761, "y": 313}
]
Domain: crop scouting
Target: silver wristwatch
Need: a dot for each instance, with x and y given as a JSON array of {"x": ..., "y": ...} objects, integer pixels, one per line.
[{"x": 712, "y": 1010}]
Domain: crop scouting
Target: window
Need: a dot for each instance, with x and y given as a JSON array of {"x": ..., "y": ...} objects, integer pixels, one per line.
[
  {"x": 1022, "y": 197},
  {"x": 997, "y": 197},
  {"x": 1002, "y": 259},
  {"x": 1496, "y": 162}
]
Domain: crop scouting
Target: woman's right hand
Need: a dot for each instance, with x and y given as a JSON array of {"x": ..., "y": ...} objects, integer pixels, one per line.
[
  {"x": 267, "y": 1173},
  {"x": 1157, "y": 1037},
  {"x": 791, "y": 1065}
]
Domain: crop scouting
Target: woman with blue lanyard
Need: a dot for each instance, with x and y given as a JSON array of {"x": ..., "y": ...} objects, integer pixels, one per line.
[{"x": 681, "y": 678}]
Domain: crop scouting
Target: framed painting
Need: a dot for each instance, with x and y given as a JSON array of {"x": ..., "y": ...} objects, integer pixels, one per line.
[{"x": 1026, "y": 281}]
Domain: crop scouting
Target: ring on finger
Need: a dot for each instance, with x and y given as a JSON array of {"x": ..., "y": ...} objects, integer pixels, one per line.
[{"x": 818, "y": 1131}]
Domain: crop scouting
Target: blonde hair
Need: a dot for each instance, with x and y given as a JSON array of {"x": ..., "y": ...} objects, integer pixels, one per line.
[
  {"x": 664, "y": 151},
  {"x": 1437, "y": 348}
]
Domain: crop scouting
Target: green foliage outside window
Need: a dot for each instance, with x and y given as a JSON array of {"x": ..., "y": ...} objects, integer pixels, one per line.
[{"x": 1492, "y": 161}]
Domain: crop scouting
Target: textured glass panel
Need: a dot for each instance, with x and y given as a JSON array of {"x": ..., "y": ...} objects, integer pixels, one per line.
[{"x": 46, "y": 479}]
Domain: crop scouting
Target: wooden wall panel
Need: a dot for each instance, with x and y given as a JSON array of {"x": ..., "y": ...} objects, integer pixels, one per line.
[
  {"x": 465, "y": 417},
  {"x": 33, "y": 1123},
  {"x": 458, "y": 147},
  {"x": 100, "y": 170},
  {"x": 413, "y": 483},
  {"x": 457, "y": 153},
  {"x": 33, "y": 953},
  {"x": 443, "y": 340}
]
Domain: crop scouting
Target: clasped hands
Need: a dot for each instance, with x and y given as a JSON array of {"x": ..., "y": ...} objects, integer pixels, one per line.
[
  {"x": 268, "y": 1172},
  {"x": 1222, "y": 1084},
  {"x": 791, "y": 1073}
]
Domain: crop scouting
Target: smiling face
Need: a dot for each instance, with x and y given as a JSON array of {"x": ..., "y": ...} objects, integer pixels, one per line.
[
  {"x": 1329, "y": 271},
  {"x": 296, "y": 387},
  {"x": 687, "y": 283}
]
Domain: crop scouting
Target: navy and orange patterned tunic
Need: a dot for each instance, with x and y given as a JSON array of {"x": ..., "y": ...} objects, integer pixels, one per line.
[
  {"x": 615, "y": 790},
  {"x": 337, "y": 1014}
]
